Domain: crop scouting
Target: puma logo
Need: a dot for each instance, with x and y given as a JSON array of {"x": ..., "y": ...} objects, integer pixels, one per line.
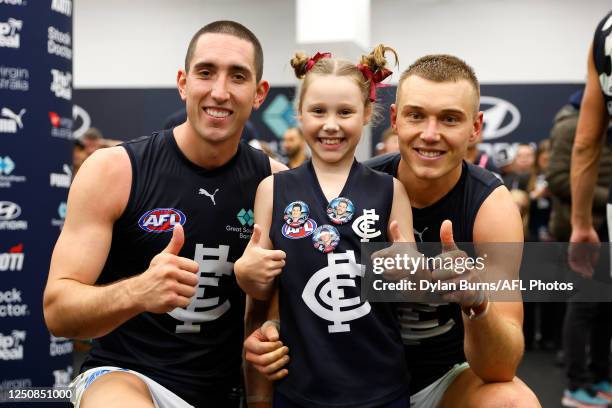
[
  {"x": 7, "y": 113},
  {"x": 207, "y": 194},
  {"x": 420, "y": 234}
]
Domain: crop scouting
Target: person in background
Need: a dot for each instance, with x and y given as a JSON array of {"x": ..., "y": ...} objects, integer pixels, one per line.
[
  {"x": 539, "y": 195},
  {"x": 549, "y": 320},
  {"x": 86, "y": 145},
  {"x": 558, "y": 173},
  {"x": 388, "y": 144},
  {"x": 92, "y": 140},
  {"x": 516, "y": 176},
  {"x": 585, "y": 323},
  {"x": 480, "y": 158},
  {"x": 593, "y": 385},
  {"x": 294, "y": 147}
]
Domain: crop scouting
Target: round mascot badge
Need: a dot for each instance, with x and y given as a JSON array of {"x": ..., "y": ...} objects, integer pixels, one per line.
[
  {"x": 296, "y": 214},
  {"x": 326, "y": 238},
  {"x": 340, "y": 210}
]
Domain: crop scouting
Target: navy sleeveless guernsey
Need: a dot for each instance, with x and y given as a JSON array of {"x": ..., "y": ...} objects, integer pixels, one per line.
[
  {"x": 344, "y": 352},
  {"x": 603, "y": 59},
  {"x": 197, "y": 350},
  {"x": 433, "y": 334}
]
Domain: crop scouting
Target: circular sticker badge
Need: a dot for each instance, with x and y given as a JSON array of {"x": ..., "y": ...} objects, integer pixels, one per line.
[
  {"x": 340, "y": 210},
  {"x": 296, "y": 214},
  {"x": 326, "y": 238},
  {"x": 299, "y": 232}
]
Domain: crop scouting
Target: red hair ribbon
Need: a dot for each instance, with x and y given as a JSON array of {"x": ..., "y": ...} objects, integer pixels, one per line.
[
  {"x": 313, "y": 60},
  {"x": 375, "y": 78}
]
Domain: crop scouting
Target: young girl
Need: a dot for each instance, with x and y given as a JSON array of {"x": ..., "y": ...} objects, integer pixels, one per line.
[{"x": 345, "y": 352}]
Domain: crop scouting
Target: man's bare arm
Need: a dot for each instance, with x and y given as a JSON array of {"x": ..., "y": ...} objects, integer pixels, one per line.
[
  {"x": 266, "y": 341},
  {"x": 586, "y": 153},
  {"x": 494, "y": 343},
  {"x": 401, "y": 211},
  {"x": 73, "y": 305}
]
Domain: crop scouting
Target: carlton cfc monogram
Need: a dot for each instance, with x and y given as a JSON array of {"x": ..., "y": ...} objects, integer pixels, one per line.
[
  {"x": 336, "y": 307},
  {"x": 211, "y": 271}
]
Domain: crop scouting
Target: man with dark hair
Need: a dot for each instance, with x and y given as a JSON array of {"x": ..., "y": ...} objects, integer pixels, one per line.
[
  {"x": 294, "y": 146},
  {"x": 463, "y": 353},
  {"x": 233, "y": 29},
  {"x": 147, "y": 271}
]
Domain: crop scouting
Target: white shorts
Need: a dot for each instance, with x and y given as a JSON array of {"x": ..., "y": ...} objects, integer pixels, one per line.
[
  {"x": 430, "y": 396},
  {"x": 161, "y": 396}
]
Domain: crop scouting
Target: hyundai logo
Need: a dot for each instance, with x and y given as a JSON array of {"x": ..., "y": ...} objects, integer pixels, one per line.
[
  {"x": 500, "y": 117},
  {"x": 9, "y": 211},
  {"x": 82, "y": 121}
]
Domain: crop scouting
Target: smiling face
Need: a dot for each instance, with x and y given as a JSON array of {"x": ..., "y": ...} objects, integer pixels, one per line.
[
  {"x": 296, "y": 212},
  {"x": 220, "y": 88},
  {"x": 341, "y": 208},
  {"x": 435, "y": 122},
  {"x": 333, "y": 115}
]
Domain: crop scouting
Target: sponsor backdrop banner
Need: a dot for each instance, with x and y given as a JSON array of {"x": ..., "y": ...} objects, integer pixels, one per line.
[
  {"x": 35, "y": 139},
  {"x": 513, "y": 113}
]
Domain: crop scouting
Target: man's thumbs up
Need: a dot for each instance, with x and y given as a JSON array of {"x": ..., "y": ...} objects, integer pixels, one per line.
[
  {"x": 451, "y": 273},
  {"x": 256, "y": 236},
  {"x": 176, "y": 242},
  {"x": 450, "y": 250},
  {"x": 395, "y": 233},
  {"x": 446, "y": 237},
  {"x": 170, "y": 281}
]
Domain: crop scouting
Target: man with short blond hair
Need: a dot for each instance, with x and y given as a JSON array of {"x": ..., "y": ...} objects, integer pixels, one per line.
[{"x": 469, "y": 356}]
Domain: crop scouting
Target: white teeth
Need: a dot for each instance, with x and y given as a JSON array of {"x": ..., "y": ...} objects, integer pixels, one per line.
[
  {"x": 429, "y": 153},
  {"x": 327, "y": 141},
  {"x": 217, "y": 113}
]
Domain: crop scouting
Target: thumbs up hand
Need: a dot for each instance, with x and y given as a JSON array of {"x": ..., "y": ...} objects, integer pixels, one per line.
[
  {"x": 258, "y": 264},
  {"x": 177, "y": 240},
  {"x": 450, "y": 252},
  {"x": 451, "y": 269},
  {"x": 406, "y": 250},
  {"x": 169, "y": 282},
  {"x": 446, "y": 237},
  {"x": 395, "y": 233}
]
